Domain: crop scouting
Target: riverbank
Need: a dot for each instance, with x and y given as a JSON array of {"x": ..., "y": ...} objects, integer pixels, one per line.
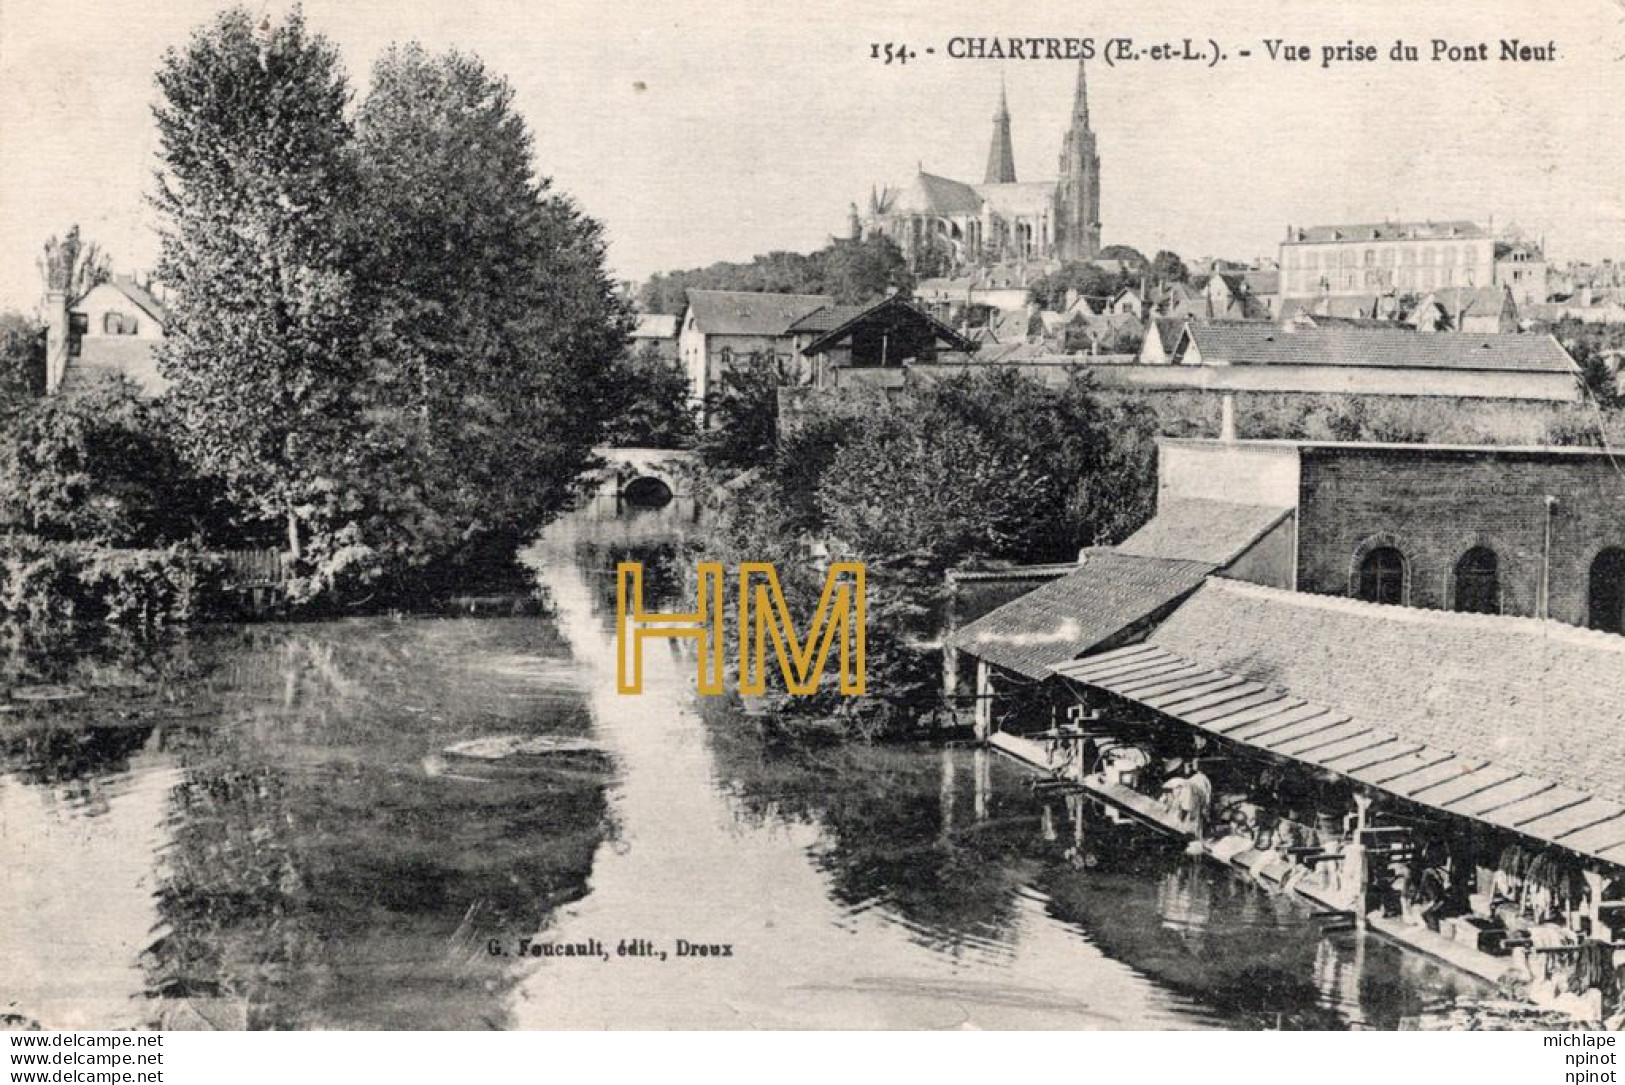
[{"x": 267, "y": 828}]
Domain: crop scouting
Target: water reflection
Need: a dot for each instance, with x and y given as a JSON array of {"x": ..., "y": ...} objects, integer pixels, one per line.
[{"x": 262, "y": 827}]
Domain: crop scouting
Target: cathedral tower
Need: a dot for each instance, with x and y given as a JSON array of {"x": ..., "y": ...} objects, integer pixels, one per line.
[
  {"x": 1001, "y": 157},
  {"x": 1077, "y": 191}
]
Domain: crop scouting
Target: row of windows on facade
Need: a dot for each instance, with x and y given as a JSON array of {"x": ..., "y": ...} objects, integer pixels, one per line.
[
  {"x": 1409, "y": 257},
  {"x": 112, "y": 324},
  {"x": 1477, "y": 584},
  {"x": 1426, "y": 279}
]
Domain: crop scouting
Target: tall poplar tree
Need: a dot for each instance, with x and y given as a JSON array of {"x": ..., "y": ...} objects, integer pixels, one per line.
[
  {"x": 497, "y": 329},
  {"x": 256, "y": 194}
]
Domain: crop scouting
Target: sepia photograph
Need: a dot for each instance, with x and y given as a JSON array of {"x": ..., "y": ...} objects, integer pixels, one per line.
[{"x": 739, "y": 516}]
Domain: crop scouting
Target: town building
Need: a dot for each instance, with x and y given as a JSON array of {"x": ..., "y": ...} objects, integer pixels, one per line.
[
  {"x": 1362, "y": 360},
  {"x": 113, "y": 330},
  {"x": 657, "y": 332},
  {"x": 872, "y": 343},
  {"x": 1537, "y": 532},
  {"x": 1521, "y": 267},
  {"x": 722, "y": 329},
  {"x": 1366, "y": 650},
  {"x": 936, "y": 219},
  {"x": 1384, "y": 257}
]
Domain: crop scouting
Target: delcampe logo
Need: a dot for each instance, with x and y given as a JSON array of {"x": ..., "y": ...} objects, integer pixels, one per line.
[{"x": 762, "y": 616}]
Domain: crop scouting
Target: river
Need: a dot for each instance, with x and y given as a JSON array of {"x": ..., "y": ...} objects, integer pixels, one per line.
[{"x": 259, "y": 826}]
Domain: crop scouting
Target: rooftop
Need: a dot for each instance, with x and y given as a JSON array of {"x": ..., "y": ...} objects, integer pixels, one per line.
[
  {"x": 1516, "y": 721},
  {"x": 744, "y": 312},
  {"x": 1263, "y": 343},
  {"x": 1198, "y": 529},
  {"x": 1107, "y": 595},
  {"x": 1385, "y": 231},
  {"x": 655, "y": 326}
]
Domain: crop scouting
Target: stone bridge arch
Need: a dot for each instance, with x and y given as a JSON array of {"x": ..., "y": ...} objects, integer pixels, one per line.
[{"x": 642, "y": 476}]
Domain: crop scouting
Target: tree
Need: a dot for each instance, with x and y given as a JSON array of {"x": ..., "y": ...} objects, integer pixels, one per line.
[
  {"x": 22, "y": 356},
  {"x": 1130, "y": 257},
  {"x": 853, "y": 271},
  {"x": 72, "y": 265},
  {"x": 744, "y": 418},
  {"x": 652, "y": 406},
  {"x": 987, "y": 465},
  {"x": 496, "y": 333},
  {"x": 256, "y": 199},
  {"x": 99, "y": 466},
  {"x": 1091, "y": 282},
  {"x": 1167, "y": 267},
  {"x": 861, "y": 271}
]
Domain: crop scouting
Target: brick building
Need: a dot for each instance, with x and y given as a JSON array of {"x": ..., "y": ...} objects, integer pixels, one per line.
[{"x": 1537, "y": 532}]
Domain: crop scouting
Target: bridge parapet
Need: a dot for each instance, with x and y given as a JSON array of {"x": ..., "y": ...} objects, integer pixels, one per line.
[{"x": 628, "y": 472}]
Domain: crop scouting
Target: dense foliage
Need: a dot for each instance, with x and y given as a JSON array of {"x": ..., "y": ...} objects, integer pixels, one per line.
[
  {"x": 100, "y": 467},
  {"x": 388, "y": 334},
  {"x": 22, "y": 357},
  {"x": 653, "y": 405},
  {"x": 493, "y": 330},
  {"x": 850, "y": 271},
  {"x": 1098, "y": 285},
  {"x": 989, "y": 466},
  {"x": 743, "y": 412},
  {"x": 256, "y": 198},
  {"x": 59, "y": 582}
]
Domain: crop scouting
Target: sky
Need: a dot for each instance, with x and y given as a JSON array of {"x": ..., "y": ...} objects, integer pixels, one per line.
[{"x": 699, "y": 132}]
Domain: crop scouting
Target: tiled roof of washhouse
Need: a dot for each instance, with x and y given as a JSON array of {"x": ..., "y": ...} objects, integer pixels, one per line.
[
  {"x": 1515, "y": 722},
  {"x": 1200, "y": 529},
  {"x": 1108, "y": 595},
  {"x": 1262, "y": 343}
]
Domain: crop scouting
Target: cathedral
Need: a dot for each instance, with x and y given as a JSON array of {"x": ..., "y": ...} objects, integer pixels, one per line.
[{"x": 941, "y": 223}]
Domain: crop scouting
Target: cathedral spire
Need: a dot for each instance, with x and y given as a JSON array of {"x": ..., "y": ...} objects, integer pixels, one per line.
[
  {"x": 1077, "y": 192},
  {"x": 1080, "y": 100},
  {"x": 1001, "y": 156}
]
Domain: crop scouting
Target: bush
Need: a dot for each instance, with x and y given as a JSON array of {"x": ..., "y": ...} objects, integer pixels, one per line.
[
  {"x": 100, "y": 466},
  {"x": 50, "y": 582}
]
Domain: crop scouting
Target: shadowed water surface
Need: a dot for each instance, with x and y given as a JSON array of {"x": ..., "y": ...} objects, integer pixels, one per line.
[{"x": 261, "y": 827}]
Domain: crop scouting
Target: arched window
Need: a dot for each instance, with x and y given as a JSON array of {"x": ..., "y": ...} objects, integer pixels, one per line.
[
  {"x": 112, "y": 324},
  {"x": 1478, "y": 588},
  {"x": 1382, "y": 576},
  {"x": 1607, "y": 592}
]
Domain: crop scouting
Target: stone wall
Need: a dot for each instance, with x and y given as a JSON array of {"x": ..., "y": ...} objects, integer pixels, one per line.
[{"x": 1435, "y": 506}]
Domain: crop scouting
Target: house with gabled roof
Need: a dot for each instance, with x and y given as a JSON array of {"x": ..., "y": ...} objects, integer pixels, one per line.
[
  {"x": 724, "y": 329},
  {"x": 112, "y": 330},
  {"x": 873, "y": 343}
]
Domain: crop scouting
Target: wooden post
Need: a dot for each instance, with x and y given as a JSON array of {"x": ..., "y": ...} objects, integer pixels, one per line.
[
  {"x": 1355, "y": 862},
  {"x": 950, "y": 654},
  {"x": 984, "y": 700},
  {"x": 950, "y": 676},
  {"x": 1595, "y": 884},
  {"x": 982, "y": 773}
]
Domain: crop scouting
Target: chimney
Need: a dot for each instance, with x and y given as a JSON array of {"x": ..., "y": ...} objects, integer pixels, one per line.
[
  {"x": 1227, "y": 417},
  {"x": 56, "y": 339}
]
